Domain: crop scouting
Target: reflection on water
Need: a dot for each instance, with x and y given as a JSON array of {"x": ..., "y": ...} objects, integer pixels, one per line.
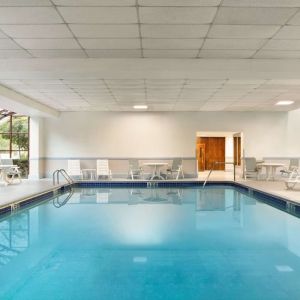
[
  {"x": 169, "y": 243},
  {"x": 14, "y": 236},
  {"x": 153, "y": 195},
  {"x": 216, "y": 200}
]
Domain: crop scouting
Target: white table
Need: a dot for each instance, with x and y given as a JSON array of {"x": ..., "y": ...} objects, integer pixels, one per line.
[
  {"x": 89, "y": 174},
  {"x": 3, "y": 170},
  {"x": 156, "y": 166},
  {"x": 271, "y": 169}
]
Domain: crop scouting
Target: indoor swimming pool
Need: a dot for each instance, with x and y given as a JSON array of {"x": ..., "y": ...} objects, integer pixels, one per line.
[{"x": 136, "y": 243}]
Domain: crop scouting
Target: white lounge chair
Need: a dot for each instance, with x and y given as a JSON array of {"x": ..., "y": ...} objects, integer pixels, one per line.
[
  {"x": 252, "y": 170},
  {"x": 176, "y": 168},
  {"x": 294, "y": 165},
  {"x": 11, "y": 173},
  {"x": 74, "y": 169},
  {"x": 103, "y": 169},
  {"x": 103, "y": 196},
  {"x": 134, "y": 169},
  {"x": 293, "y": 179}
]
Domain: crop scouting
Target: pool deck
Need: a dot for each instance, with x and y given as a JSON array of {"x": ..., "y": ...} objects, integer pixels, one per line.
[{"x": 29, "y": 188}]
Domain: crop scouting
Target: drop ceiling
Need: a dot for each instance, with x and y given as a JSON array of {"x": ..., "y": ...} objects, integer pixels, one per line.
[{"x": 50, "y": 33}]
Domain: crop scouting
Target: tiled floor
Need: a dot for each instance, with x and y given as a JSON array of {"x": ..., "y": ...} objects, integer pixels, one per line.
[{"x": 27, "y": 188}]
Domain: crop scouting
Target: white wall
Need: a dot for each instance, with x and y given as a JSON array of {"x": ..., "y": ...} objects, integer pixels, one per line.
[
  {"x": 159, "y": 134},
  {"x": 293, "y": 133},
  {"x": 36, "y": 147}
]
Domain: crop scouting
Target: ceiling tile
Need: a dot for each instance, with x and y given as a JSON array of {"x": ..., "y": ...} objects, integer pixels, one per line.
[
  {"x": 95, "y": 2},
  {"x": 226, "y": 53},
  {"x": 243, "y": 31},
  {"x": 170, "y": 53},
  {"x": 254, "y": 82},
  {"x": 25, "y": 3},
  {"x": 29, "y": 15},
  {"x": 114, "y": 53},
  {"x": 100, "y": 15},
  {"x": 232, "y": 44},
  {"x": 58, "y": 53},
  {"x": 282, "y": 45},
  {"x": 37, "y": 31},
  {"x": 48, "y": 43},
  {"x": 172, "y": 43},
  {"x": 253, "y": 15},
  {"x": 203, "y": 83},
  {"x": 179, "y": 2},
  {"x": 110, "y": 43},
  {"x": 277, "y": 54},
  {"x": 8, "y": 44},
  {"x": 177, "y": 15},
  {"x": 174, "y": 31},
  {"x": 105, "y": 31},
  {"x": 14, "y": 54},
  {"x": 262, "y": 3},
  {"x": 114, "y": 82},
  {"x": 295, "y": 20},
  {"x": 288, "y": 32}
]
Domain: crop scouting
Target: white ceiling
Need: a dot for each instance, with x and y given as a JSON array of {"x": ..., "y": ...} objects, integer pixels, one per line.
[
  {"x": 159, "y": 94},
  {"x": 59, "y": 30}
]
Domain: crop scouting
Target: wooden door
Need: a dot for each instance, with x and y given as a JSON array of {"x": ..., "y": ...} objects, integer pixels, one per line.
[
  {"x": 201, "y": 156},
  {"x": 237, "y": 150},
  {"x": 214, "y": 152}
]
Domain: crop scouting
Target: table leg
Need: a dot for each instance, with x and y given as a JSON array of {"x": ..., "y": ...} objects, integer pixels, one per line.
[
  {"x": 267, "y": 173},
  {"x": 153, "y": 173},
  {"x": 273, "y": 172},
  {"x": 156, "y": 173}
]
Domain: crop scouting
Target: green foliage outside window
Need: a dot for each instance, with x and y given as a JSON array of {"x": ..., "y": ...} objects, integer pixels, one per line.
[{"x": 14, "y": 140}]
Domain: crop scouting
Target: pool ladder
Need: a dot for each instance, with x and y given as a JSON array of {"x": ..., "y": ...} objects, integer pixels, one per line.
[
  {"x": 63, "y": 172},
  {"x": 219, "y": 163}
]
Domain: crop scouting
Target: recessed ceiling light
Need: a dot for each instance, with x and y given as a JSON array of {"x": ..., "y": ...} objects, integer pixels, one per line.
[
  {"x": 140, "y": 106},
  {"x": 285, "y": 102}
]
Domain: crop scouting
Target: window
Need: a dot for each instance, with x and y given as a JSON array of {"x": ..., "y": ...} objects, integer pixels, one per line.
[{"x": 14, "y": 139}]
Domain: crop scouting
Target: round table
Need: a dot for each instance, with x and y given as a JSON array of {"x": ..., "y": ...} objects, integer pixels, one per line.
[
  {"x": 271, "y": 169},
  {"x": 156, "y": 166},
  {"x": 89, "y": 174}
]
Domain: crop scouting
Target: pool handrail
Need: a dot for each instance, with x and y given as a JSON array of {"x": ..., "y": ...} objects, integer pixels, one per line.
[
  {"x": 213, "y": 166},
  {"x": 64, "y": 173}
]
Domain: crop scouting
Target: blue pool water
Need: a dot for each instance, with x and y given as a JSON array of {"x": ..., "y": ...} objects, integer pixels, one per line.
[{"x": 166, "y": 243}]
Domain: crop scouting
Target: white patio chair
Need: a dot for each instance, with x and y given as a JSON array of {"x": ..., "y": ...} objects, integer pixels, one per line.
[
  {"x": 74, "y": 169},
  {"x": 252, "y": 170},
  {"x": 103, "y": 169},
  {"x": 176, "y": 168},
  {"x": 134, "y": 169},
  {"x": 294, "y": 165},
  {"x": 12, "y": 173},
  {"x": 293, "y": 179}
]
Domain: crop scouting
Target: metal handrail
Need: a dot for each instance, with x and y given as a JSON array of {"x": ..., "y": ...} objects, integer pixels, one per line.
[
  {"x": 216, "y": 163},
  {"x": 64, "y": 173}
]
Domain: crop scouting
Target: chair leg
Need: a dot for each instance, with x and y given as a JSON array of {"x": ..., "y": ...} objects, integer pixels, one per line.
[{"x": 19, "y": 177}]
